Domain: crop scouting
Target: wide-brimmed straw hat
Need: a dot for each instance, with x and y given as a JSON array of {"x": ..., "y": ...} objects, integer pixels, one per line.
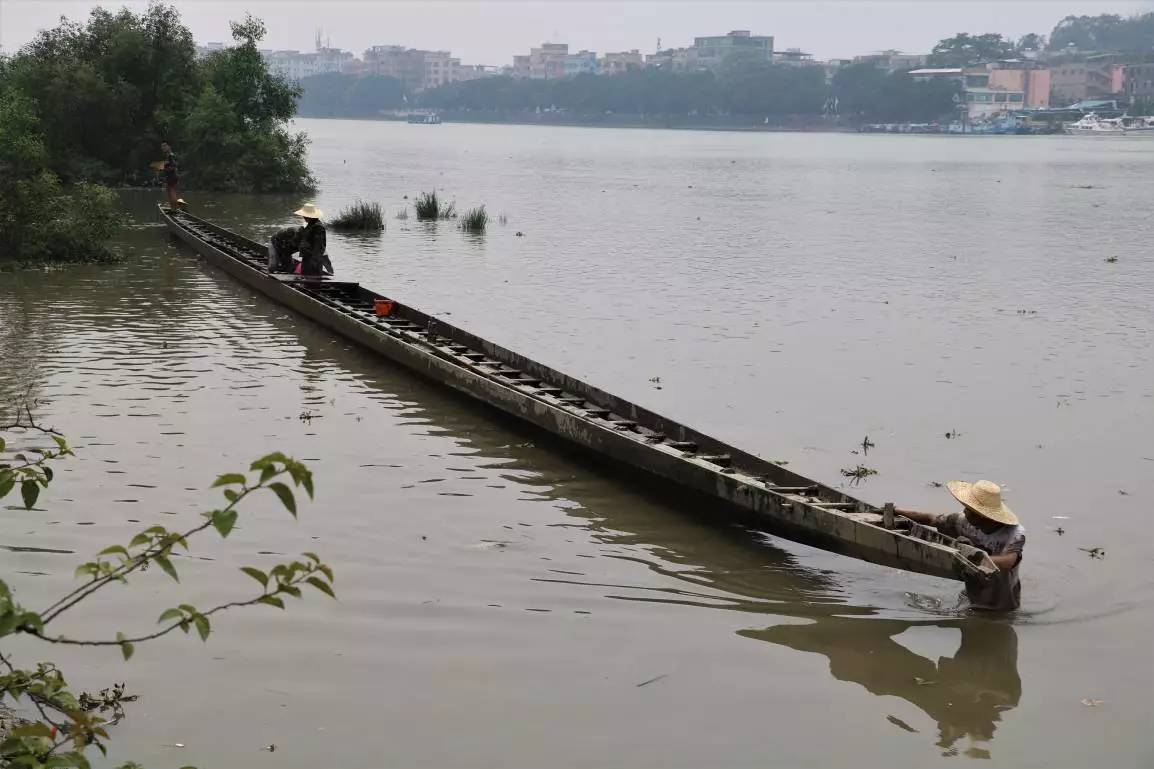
[
  {"x": 309, "y": 211},
  {"x": 985, "y": 499}
]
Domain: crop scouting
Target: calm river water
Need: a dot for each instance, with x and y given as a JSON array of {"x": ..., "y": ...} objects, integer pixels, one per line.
[{"x": 502, "y": 603}]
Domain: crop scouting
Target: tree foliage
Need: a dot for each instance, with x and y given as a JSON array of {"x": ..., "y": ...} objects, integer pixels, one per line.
[
  {"x": 109, "y": 91},
  {"x": 869, "y": 94},
  {"x": 40, "y": 218},
  {"x": 1107, "y": 32},
  {"x": 336, "y": 95},
  {"x": 753, "y": 89},
  {"x": 964, "y": 50},
  {"x": 69, "y": 724}
]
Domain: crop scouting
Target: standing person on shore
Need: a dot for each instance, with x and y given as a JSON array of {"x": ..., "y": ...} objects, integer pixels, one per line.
[
  {"x": 171, "y": 175},
  {"x": 313, "y": 241},
  {"x": 987, "y": 523}
]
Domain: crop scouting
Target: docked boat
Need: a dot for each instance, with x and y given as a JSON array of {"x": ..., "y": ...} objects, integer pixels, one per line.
[
  {"x": 1093, "y": 125},
  {"x": 425, "y": 119},
  {"x": 627, "y": 435}
]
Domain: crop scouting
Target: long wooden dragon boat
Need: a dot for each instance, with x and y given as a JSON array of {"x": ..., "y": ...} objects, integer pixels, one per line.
[{"x": 628, "y": 435}]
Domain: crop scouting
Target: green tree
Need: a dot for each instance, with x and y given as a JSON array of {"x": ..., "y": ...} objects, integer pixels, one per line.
[
  {"x": 1107, "y": 32},
  {"x": 965, "y": 50},
  {"x": 866, "y": 93},
  {"x": 41, "y": 219},
  {"x": 68, "y": 724}
]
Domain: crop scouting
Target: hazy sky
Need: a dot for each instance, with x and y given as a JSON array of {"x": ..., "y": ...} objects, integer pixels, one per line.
[{"x": 489, "y": 32}]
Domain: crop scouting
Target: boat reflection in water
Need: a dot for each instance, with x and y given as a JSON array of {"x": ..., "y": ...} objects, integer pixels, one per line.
[{"x": 966, "y": 693}]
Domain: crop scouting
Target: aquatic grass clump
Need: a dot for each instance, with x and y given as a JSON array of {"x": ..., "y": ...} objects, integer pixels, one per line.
[
  {"x": 403, "y": 215},
  {"x": 475, "y": 220},
  {"x": 430, "y": 208},
  {"x": 360, "y": 217}
]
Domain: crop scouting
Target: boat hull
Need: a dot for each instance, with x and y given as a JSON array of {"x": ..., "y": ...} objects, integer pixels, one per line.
[{"x": 774, "y": 498}]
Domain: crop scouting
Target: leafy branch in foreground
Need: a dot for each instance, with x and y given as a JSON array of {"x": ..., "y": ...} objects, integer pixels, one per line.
[{"x": 69, "y": 724}]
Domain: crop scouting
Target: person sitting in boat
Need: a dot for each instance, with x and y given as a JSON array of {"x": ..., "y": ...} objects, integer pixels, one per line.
[
  {"x": 987, "y": 523},
  {"x": 281, "y": 248},
  {"x": 313, "y": 242}
]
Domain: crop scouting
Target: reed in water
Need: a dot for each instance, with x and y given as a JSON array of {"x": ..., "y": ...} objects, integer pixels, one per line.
[
  {"x": 475, "y": 220},
  {"x": 430, "y": 208},
  {"x": 360, "y": 217}
]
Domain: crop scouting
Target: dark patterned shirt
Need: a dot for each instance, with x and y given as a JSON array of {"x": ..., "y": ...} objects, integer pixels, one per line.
[{"x": 1002, "y": 591}]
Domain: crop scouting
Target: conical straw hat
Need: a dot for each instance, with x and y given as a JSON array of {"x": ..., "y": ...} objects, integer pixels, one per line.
[
  {"x": 309, "y": 211},
  {"x": 984, "y": 498}
]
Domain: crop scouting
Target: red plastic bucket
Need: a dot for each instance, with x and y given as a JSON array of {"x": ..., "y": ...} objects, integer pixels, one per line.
[{"x": 383, "y": 307}]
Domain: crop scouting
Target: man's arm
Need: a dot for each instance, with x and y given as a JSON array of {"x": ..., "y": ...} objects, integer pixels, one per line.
[
  {"x": 926, "y": 519},
  {"x": 1006, "y": 561}
]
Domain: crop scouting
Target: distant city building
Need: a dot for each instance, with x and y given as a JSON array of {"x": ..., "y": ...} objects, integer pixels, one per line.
[
  {"x": 417, "y": 70},
  {"x": 793, "y": 57},
  {"x": 995, "y": 88},
  {"x": 712, "y": 51},
  {"x": 674, "y": 60},
  {"x": 209, "y": 48},
  {"x": 545, "y": 63},
  {"x": 581, "y": 63},
  {"x": 620, "y": 63},
  {"x": 1095, "y": 78},
  {"x": 295, "y": 66},
  {"x": 893, "y": 60},
  {"x": 1139, "y": 81}
]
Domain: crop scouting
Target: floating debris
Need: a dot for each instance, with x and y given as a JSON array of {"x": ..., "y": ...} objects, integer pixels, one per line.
[
  {"x": 1111, "y": 259},
  {"x": 936, "y": 484},
  {"x": 652, "y": 680},
  {"x": 866, "y": 445},
  {"x": 1059, "y": 531},
  {"x": 858, "y": 474},
  {"x": 923, "y": 682},
  {"x": 1124, "y": 493},
  {"x": 1094, "y": 552},
  {"x": 1093, "y": 703},
  {"x": 901, "y": 724}
]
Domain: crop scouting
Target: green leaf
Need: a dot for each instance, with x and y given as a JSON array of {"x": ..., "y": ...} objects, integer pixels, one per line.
[
  {"x": 307, "y": 482},
  {"x": 31, "y": 619},
  {"x": 229, "y": 479},
  {"x": 311, "y": 556},
  {"x": 85, "y": 569},
  {"x": 170, "y": 614},
  {"x": 326, "y": 570},
  {"x": 286, "y": 497},
  {"x": 268, "y": 472},
  {"x": 295, "y": 592},
  {"x": 7, "y": 483},
  {"x": 165, "y": 564},
  {"x": 63, "y": 444},
  {"x": 256, "y": 574},
  {"x": 271, "y": 600},
  {"x": 231, "y": 495},
  {"x": 202, "y": 626},
  {"x": 29, "y": 490},
  {"x": 322, "y": 586},
  {"x": 113, "y": 550},
  {"x": 125, "y": 647},
  {"x": 224, "y": 520},
  {"x": 3, "y": 445},
  {"x": 140, "y": 539},
  {"x": 47, "y": 474}
]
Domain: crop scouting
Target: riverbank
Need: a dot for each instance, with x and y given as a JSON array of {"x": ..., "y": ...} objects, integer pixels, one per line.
[{"x": 683, "y": 123}]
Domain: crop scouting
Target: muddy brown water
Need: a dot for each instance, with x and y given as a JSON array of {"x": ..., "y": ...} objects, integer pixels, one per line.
[{"x": 506, "y": 604}]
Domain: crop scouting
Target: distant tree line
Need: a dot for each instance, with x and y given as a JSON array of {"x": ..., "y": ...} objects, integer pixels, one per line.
[
  {"x": 742, "y": 87},
  {"x": 1107, "y": 32},
  {"x": 87, "y": 105}
]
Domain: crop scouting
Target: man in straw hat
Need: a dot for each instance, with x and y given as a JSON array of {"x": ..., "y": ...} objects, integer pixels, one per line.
[
  {"x": 313, "y": 240},
  {"x": 988, "y": 524}
]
